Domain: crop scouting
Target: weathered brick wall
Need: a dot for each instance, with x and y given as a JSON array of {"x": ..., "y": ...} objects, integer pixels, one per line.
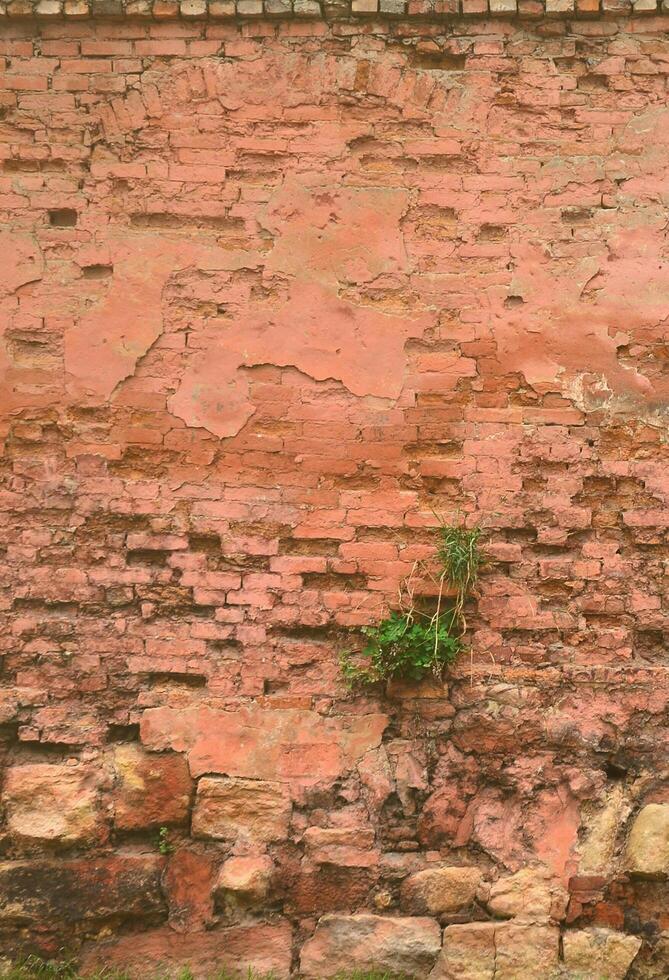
[{"x": 272, "y": 294}]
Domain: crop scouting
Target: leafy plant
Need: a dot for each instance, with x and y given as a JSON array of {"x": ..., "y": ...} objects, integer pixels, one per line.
[
  {"x": 409, "y": 643},
  {"x": 164, "y": 845}
]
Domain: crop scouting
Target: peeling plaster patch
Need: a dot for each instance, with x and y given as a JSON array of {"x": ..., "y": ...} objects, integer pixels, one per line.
[
  {"x": 563, "y": 333},
  {"x": 22, "y": 263},
  {"x": 323, "y": 236},
  {"x": 103, "y": 349},
  {"x": 105, "y": 345},
  {"x": 314, "y": 331},
  {"x": 333, "y": 235}
]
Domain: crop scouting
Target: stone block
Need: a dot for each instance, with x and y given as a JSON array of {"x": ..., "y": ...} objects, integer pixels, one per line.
[
  {"x": 599, "y": 953},
  {"x": 343, "y": 846},
  {"x": 254, "y": 948},
  {"x": 438, "y": 890},
  {"x": 55, "y": 804},
  {"x": 151, "y": 789},
  {"x": 370, "y": 942},
  {"x": 250, "y": 809},
  {"x": 244, "y": 881},
  {"x": 647, "y": 851},
  {"x": 122, "y": 887},
  {"x": 288, "y": 745},
  {"x": 529, "y": 893},
  {"x": 499, "y": 950}
]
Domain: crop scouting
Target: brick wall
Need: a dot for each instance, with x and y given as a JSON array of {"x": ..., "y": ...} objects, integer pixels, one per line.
[{"x": 273, "y": 294}]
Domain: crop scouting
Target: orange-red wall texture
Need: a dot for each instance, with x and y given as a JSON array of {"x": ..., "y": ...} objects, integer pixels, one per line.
[{"x": 278, "y": 293}]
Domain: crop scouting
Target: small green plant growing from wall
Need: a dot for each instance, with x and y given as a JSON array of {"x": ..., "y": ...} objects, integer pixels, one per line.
[
  {"x": 410, "y": 643},
  {"x": 164, "y": 845}
]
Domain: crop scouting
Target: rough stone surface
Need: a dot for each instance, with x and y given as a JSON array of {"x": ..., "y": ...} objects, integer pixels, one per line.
[
  {"x": 125, "y": 887},
  {"x": 282, "y": 285},
  {"x": 370, "y": 942},
  {"x": 244, "y": 881},
  {"x": 437, "y": 890},
  {"x": 264, "y": 948},
  {"x": 647, "y": 849},
  {"x": 599, "y": 953},
  {"x": 531, "y": 892},
  {"x": 498, "y": 951},
  {"x": 151, "y": 790},
  {"x": 229, "y": 809},
  {"x": 53, "y": 804}
]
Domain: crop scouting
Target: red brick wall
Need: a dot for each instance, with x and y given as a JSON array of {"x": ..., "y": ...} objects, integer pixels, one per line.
[{"x": 272, "y": 294}]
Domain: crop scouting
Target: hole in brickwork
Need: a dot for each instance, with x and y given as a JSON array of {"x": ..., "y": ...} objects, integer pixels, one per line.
[
  {"x": 274, "y": 686},
  {"x": 575, "y": 216},
  {"x": 146, "y": 557},
  {"x": 63, "y": 218},
  {"x": 615, "y": 769},
  {"x": 123, "y": 733},
  {"x": 314, "y": 580},
  {"x": 439, "y": 61},
  {"x": 98, "y": 271},
  {"x": 308, "y": 546},
  {"x": 314, "y": 633},
  {"x": 167, "y": 220},
  {"x": 160, "y": 679},
  {"x": 210, "y": 544},
  {"x": 46, "y": 606},
  {"x": 492, "y": 233}
]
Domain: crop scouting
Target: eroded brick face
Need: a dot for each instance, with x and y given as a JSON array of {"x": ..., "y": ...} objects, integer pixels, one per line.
[{"x": 273, "y": 294}]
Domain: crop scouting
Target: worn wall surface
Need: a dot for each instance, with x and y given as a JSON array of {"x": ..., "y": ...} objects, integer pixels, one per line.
[{"x": 272, "y": 294}]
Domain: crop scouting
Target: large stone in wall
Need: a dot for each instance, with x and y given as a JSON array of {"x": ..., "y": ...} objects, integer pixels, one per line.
[
  {"x": 370, "y": 942},
  {"x": 597, "y": 846},
  {"x": 54, "y": 804},
  {"x": 498, "y": 951},
  {"x": 121, "y": 886},
  {"x": 344, "y": 847},
  {"x": 251, "y": 809},
  {"x": 264, "y": 948},
  {"x": 590, "y": 954},
  {"x": 437, "y": 890},
  {"x": 647, "y": 851},
  {"x": 244, "y": 881},
  {"x": 529, "y": 893},
  {"x": 188, "y": 883},
  {"x": 150, "y": 790},
  {"x": 287, "y": 745}
]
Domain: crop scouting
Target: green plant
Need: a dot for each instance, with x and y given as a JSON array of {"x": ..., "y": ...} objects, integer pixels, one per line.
[
  {"x": 164, "y": 845},
  {"x": 410, "y": 643}
]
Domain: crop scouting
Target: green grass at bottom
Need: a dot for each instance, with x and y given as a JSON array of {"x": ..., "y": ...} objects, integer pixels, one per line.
[{"x": 36, "y": 969}]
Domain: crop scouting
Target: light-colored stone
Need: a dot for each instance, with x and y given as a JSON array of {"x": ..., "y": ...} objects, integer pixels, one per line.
[
  {"x": 590, "y": 954},
  {"x": 343, "y": 846},
  {"x": 371, "y": 942},
  {"x": 647, "y": 851},
  {"x": 53, "y": 804},
  {"x": 498, "y": 951},
  {"x": 437, "y": 890},
  {"x": 603, "y": 825},
  {"x": 251, "y": 809},
  {"x": 529, "y": 893},
  {"x": 244, "y": 881}
]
